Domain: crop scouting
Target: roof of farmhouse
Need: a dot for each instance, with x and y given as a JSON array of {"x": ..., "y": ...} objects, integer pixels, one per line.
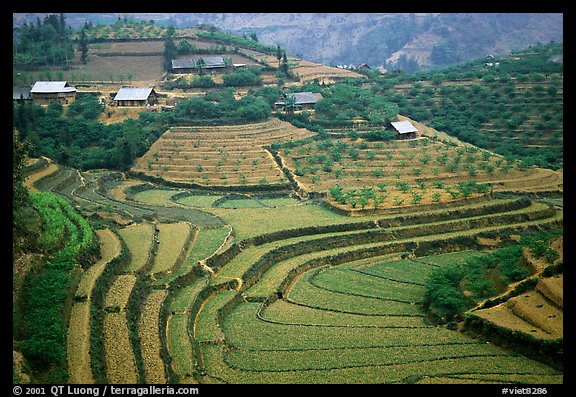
[
  {"x": 209, "y": 62},
  {"x": 133, "y": 94},
  {"x": 51, "y": 87},
  {"x": 404, "y": 127}
]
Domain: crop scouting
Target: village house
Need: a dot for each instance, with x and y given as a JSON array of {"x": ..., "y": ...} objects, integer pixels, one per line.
[
  {"x": 404, "y": 129},
  {"x": 130, "y": 96},
  {"x": 355, "y": 67},
  {"x": 303, "y": 100},
  {"x": 194, "y": 64},
  {"x": 46, "y": 92}
]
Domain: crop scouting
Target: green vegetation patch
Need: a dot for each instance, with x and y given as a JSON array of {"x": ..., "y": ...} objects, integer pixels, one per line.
[
  {"x": 454, "y": 288},
  {"x": 198, "y": 200}
]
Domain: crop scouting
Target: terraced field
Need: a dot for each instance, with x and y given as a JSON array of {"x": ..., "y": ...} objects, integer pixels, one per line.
[
  {"x": 219, "y": 288},
  {"x": 538, "y": 312},
  {"x": 421, "y": 171},
  {"x": 219, "y": 156},
  {"x": 308, "y": 71}
]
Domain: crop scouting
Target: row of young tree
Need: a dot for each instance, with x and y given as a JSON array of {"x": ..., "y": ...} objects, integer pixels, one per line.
[{"x": 514, "y": 109}]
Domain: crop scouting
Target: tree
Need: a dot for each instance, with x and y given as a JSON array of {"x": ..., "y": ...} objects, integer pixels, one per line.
[
  {"x": 19, "y": 192},
  {"x": 184, "y": 47},
  {"x": 278, "y": 54},
  {"x": 170, "y": 52},
  {"x": 199, "y": 65},
  {"x": 83, "y": 47},
  {"x": 337, "y": 193},
  {"x": 289, "y": 104},
  {"x": 284, "y": 66},
  {"x": 131, "y": 144}
]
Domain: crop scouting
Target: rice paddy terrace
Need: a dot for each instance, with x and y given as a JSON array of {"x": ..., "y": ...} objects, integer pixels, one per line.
[{"x": 195, "y": 286}]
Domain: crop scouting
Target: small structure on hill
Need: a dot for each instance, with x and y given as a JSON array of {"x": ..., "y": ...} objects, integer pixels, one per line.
[
  {"x": 355, "y": 67},
  {"x": 46, "y": 92},
  {"x": 404, "y": 129},
  {"x": 302, "y": 100},
  {"x": 130, "y": 96}
]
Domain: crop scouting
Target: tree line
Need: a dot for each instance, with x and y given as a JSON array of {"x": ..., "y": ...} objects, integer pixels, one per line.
[{"x": 46, "y": 42}]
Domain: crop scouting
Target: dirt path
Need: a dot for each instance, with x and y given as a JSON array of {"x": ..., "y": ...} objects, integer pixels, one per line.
[{"x": 32, "y": 178}]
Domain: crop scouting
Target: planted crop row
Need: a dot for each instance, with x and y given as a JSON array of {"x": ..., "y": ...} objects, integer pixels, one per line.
[
  {"x": 220, "y": 155},
  {"x": 406, "y": 171},
  {"x": 138, "y": 238},
  {"x": 294, "y": 352},
  {"x": 149, "y": 331},
  {"x": 172, "y": 244},
  {"x": 254, "y": 261},
  {"x": 317, "y": 324},
  {"x": 66, "y": 235},
  {"x": 79, "y": 366}
]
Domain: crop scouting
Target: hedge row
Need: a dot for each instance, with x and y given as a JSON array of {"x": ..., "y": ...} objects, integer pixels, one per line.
[{"x": 405, "y": 209}]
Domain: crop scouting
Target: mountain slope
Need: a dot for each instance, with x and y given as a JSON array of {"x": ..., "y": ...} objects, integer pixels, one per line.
[{"x": 372, "y": 38}]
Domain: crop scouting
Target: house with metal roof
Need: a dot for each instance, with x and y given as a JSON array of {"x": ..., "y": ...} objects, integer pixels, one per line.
[
  {"x": 404, "y": 129},
  {"x": 46, "y": 92},
  {"x": 302, "y": 100},
  {"x": 131, "y": 96},
  {"x": 190, "y": 65}
]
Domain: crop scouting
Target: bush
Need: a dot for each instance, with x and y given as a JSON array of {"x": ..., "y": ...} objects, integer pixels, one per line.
[
  {"x": 45, "y": 341},
  {"x": 379, "y": 135},
  {"x": 246, "y": 77},
  {"x": 442, "y": 298}
]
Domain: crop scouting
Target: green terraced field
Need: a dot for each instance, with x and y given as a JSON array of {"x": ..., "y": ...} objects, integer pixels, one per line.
[{"x": 291, "y": 292}]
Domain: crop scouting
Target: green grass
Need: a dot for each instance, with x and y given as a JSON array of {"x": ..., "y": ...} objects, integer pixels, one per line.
[
  {"x": 207, "y": 242},
  {"x": 180, "y": 347},
  {"x": 361, "y": 302},
  {"x": 250, "y": 222},
  {"x": 207, "y": 328},
  {"x": 483, "y": 367},
  {"x": 279, "y": 201},
  {"x": 185, "y": 296},
  {"x": 398, "y": 287},
  {"x": 240, "y": 203},
  {"x": 156, "y": 197},
  {"x": 199, "y": 200},
  {"x": 282, "y": 360},
  {"x": 286, "y": 312}
]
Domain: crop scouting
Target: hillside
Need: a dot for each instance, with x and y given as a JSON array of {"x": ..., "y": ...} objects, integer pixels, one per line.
[
  {"x": 431, "y": 39},
  {"x": 153, "y": 240}
]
